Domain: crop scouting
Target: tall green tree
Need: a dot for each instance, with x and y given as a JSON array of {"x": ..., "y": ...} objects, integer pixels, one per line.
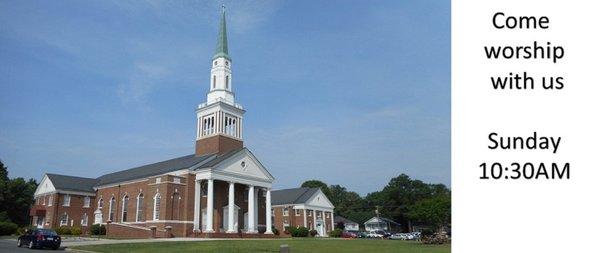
[
  {"x": 432, "y": 211},
  {"x": 16, "y": 197},
  {"x": 402, "y": 192}
]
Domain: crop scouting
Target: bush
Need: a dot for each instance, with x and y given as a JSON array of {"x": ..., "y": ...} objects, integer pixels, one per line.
[
  {"x": 336, "y": 233},
  {"x": 76, "y": 231},
  {"x": 63, "y": 230},
  {"x": 299, "y": 232},
  {"x": 98, "y": 229},
  {"x": 275, "y": 230},
  {"x": 8, "y": 228},
  {"x": 22, "y": 230},
  {"x": 313, "y": 233}
]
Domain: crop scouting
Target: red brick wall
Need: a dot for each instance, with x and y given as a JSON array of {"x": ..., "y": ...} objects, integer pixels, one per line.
[
  {"x": 75, "y": 211},
  {"x": 217, "y": 144}
]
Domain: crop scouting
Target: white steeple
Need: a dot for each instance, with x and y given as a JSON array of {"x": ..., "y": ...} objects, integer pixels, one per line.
[
  {"x": 220, "y": 73},
  {"x": 220, "y": 116}
]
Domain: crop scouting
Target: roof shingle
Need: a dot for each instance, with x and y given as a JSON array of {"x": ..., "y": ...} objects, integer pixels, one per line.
[{"x": 292, "y": 196}]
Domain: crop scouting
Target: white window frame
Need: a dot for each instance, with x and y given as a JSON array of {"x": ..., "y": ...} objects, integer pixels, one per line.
[
  {"x": 176, "y": 180},
  {"x": 155, "y": 215},
  {"x": 66, "y": 221},
  {"x": 100, "y": 203},
  {"x": 44, "y": 200},
  {"x": 87, "y": 201},
  {"x": 110, "y": 208},
  {"x": 137, "y": 207},
  {"x": 286, "y": 211},
  {"x": 84, "y": 220},
  {"x": 66, "y": 200},
  {"x": 123, "y": 207},
  {"x": 50, "y": 200},
  {"x": 297, "y": 212},
  {"x": 158, "y": 180}
]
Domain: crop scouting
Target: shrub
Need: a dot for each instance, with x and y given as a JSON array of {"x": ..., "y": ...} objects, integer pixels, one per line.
[
  {"x": 313, "y": 233},
  {"x": 76, "y": 231},
  {"x": 8, "y": 228},
  {"x": 63, "y": 230},
  {"x": 22, "y": 230},
  {"x": 98, "y": 229},
  {"x": 299, "y": 232},
  {"x": 275, "y": 230},
  {"x": 336, "y": 233}
]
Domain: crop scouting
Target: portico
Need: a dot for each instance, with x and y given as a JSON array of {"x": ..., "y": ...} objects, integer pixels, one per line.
[{"x": 246, "y": 187}]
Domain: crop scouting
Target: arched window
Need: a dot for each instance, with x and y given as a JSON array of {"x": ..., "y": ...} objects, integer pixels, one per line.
[
  {"x": 175, "y": 206},
  {"x": 214, "y": 81},
  {"x": 156, "y": 213},
  {"x": 84, "y": 220},
  {"x": 100, "y": 203},
  {"x": 124, "y": 210},
  {"x": 112, "y": 206},
  {"x": 226, "y": 82},
  {"x": 140, "y": 208}
]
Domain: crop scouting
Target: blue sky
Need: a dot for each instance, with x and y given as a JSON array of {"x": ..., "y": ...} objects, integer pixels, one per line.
[{"x": 347, "y": 92}]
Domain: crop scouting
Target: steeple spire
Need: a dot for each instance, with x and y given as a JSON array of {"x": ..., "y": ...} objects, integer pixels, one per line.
[{"x": 221, "y": 50}]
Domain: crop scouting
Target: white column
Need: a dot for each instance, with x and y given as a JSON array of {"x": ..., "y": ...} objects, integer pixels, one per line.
[
  {"x": 209, "y": 208},
  {"x": 314, "y": 213},
  {"x": 256, "y": 208},
  {"x": 332, "y": 221},
  {"x": 251, "y": 227},
  {"x": 305, "y": 225},
  {"x": 268, "y": 212},
  {"x": 231, "y": 204},
  {"x": 197, "y": 192}
]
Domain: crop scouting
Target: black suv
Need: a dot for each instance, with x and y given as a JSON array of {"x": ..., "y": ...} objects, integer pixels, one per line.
[{"x": 39, "y": 238}]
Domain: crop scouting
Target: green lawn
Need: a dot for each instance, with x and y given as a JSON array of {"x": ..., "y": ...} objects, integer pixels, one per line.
[{"x": 296, "y": 246}]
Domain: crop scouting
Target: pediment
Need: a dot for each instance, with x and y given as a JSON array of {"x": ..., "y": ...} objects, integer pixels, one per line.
[
  {"x": 320, "y": 200},
  {"x": 44, "y": 187},
  {"x": 244, "y": 164}
]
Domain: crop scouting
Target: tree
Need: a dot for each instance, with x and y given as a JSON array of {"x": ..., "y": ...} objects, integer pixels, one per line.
[
  {"x": 433, "y": 211},
  {"x": 401, "y": 193},
  {"x": 16, "y": 197},
  {"x": 318, "y": 184}
]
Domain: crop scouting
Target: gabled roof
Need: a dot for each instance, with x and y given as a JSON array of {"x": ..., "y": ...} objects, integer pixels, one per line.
[
  {"x": 292, "y": 196},
  {"x": 218, "y": 159},
  {"x": 149, "y": 170},
  {"x": 71, "y": 183},
  {"x": 338, "y": 219},
  {"x": 381, "y": 220},
  {"x": 82, "y": 184}
]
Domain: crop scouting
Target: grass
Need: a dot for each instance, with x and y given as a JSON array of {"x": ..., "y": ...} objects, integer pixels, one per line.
[{"x": 296, "y": 246}]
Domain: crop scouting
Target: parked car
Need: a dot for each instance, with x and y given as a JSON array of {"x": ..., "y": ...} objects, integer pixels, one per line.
[
  {"x": 361, "y": 235},
  {"x": 349, "y": 234},
  {"x": 40, "y": 238},
  {"x": 406, "y": 236},
  {"x": 385, "y": 234},
  {"x": 374, "y": 234},
  {"x": 398, "y": 236}
]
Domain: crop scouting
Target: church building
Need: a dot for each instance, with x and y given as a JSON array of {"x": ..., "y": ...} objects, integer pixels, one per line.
[{"x": 221, "y": 190}]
